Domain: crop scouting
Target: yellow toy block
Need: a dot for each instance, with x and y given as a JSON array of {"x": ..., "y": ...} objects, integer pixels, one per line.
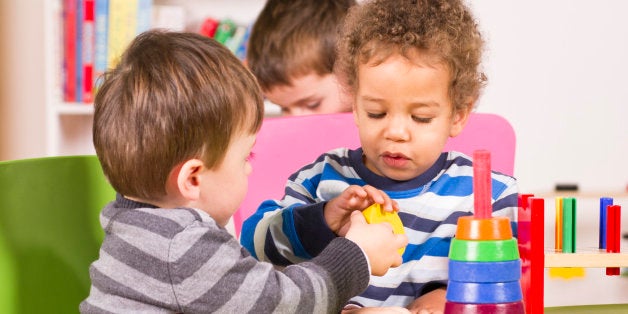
[{"x": 375, "y": 214}]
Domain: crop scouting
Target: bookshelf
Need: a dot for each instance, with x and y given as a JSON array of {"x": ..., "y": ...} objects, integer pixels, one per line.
[{"x": 69, "y": 124}]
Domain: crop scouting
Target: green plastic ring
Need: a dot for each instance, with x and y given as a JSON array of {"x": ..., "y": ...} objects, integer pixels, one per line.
[{"x": 483, "y": 251}]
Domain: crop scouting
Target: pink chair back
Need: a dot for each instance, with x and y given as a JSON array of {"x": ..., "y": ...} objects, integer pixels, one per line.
[{"x": 285, "y": 144}]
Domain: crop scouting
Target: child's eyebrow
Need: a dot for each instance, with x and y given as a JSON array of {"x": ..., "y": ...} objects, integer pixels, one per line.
[
  {"x": 428, "y": 104},
  {"x": 373, "y": 99},
  {"x": 419, "y": 103}
]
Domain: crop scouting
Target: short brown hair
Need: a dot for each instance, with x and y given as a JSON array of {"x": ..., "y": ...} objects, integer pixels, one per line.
[
  {"x": 443, "y": 29},
  {"x": 172, "y": 97},
  {"x": 294, "y": 38}
]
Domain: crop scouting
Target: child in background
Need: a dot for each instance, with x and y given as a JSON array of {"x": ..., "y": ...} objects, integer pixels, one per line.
[
  {"x": 174, "y": 125},
  {"x": 413, "y": 70},
  {"x": 292, "y": 50}
]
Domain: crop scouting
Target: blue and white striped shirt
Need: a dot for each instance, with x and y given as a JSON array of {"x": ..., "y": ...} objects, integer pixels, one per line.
[{"x": 293, "y": 229}]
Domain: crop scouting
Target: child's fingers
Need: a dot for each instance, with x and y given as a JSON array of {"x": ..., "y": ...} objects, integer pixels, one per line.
[
  {"x": 380, "y": 197},
  {"x": 355, "y": 191},
  {"x": 395, "y": 205},
  {"x": 401, "y": 241},
  {"x": 376, "y": 195},
  {"x": 389, "y": 204},
  {"x": 357, "y": 218}
]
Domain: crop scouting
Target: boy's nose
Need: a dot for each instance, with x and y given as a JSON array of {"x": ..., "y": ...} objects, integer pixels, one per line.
[
  {"x": 397, "y": 130},
  {"x": 298, "y": 111}
]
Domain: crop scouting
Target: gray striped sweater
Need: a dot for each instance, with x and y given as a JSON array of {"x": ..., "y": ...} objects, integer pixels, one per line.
[{"x": 159, "y": 260}]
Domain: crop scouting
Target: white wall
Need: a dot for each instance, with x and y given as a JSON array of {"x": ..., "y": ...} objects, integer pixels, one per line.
[
  {"x": 22, "y": 111},
  {"x": 558, "y": 71}
]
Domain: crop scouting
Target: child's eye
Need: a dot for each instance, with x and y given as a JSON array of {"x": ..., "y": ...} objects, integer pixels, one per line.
[
  {"x": 421, "y": 119},
  {"x": 250, "y": 157},
  {"x": 313, "y": 105},
  {"x": 375, "y": 115}
]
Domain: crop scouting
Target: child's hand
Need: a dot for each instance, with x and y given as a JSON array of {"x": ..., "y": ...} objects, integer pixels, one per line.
[
  {"x": 337, "y": 211},
  {"x": 378, "y": 242},
  {"x": 432, "y": 302}
]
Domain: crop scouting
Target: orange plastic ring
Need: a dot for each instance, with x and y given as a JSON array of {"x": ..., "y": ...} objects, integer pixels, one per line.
[{"x": 495, "y": 228}]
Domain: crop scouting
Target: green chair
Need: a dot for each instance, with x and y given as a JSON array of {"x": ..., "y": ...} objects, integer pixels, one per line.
[{"x": 49, "y": 231}]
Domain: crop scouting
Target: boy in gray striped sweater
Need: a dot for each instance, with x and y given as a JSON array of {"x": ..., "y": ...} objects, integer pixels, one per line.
[{"x": 174, "y": 125}]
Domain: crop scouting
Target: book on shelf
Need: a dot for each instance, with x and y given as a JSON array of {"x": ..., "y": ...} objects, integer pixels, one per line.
[
  {"x": 233, "y": 36},
  {"x": 95, "y": 34},
  {"x": 101, "y": 20},
  {"x": 241, "y": 50},
  {"x": 235, "y": 41},
  {"x": 80, "y": 12},
  {"x": 69, "y": 50},
  {"x": 87, "y": 55},
  {"x": 121, "y": 29},
  {"x": 226, "y": 29}
]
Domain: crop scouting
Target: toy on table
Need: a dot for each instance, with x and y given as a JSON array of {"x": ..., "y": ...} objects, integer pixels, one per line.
[
  {"x": 484, "y": 264},
  {"x": 375, "y": 214},
  {"x": 565, "y": 233},
  {"x": 569, "y": 225},
  {"x": 535, "y": 258},
  {"x": 531, "y": 249},
  {"x": 604, "y": 203},
  {"x": 613, "y": 227},
  {"x": 609, "y": 230},
  {"x": 565, "y": 237}
]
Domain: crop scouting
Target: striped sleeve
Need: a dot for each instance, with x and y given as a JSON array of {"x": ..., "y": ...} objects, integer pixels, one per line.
[
  {"x": 155, "y": 260},
  {"x": 280, "y": 230}
]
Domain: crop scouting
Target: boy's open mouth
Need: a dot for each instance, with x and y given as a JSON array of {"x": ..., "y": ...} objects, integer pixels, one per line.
[{"x": 395, "y": 160}]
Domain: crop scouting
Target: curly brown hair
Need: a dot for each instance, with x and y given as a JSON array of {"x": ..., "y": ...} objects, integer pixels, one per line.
[{"x": 441, "y": 29}]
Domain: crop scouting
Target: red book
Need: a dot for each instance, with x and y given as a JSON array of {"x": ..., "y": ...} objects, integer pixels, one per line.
[
  {"x": 88, "y": 50},
  {"x": 69, "y": 50}
]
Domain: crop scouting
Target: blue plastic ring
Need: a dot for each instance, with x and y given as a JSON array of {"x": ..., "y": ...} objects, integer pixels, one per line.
[
  {"x": 484, "y": 271},
  {"x": 470, "y": 292}
]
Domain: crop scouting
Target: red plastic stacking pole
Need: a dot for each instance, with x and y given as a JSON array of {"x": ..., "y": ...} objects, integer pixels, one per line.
[
  {"x": 524, "y": 238},
  {"x": 537, "y": 255},
  {"x": 613, "y": 226},
  {"x": 482, "y": 184}
]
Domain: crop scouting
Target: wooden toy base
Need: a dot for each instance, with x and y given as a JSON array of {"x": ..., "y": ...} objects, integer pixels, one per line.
[
  {"x": 535, "y": 257},
  {"x": 585, "y": 257}
]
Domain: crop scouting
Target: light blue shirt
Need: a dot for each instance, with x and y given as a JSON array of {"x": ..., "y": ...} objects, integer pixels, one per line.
[{"x": 293, "y": 229}]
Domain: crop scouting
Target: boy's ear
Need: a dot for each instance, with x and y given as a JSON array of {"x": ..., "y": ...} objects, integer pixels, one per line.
[
  {"x": 188, "y": 179},
  {"x": 459, "y": 120}
]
